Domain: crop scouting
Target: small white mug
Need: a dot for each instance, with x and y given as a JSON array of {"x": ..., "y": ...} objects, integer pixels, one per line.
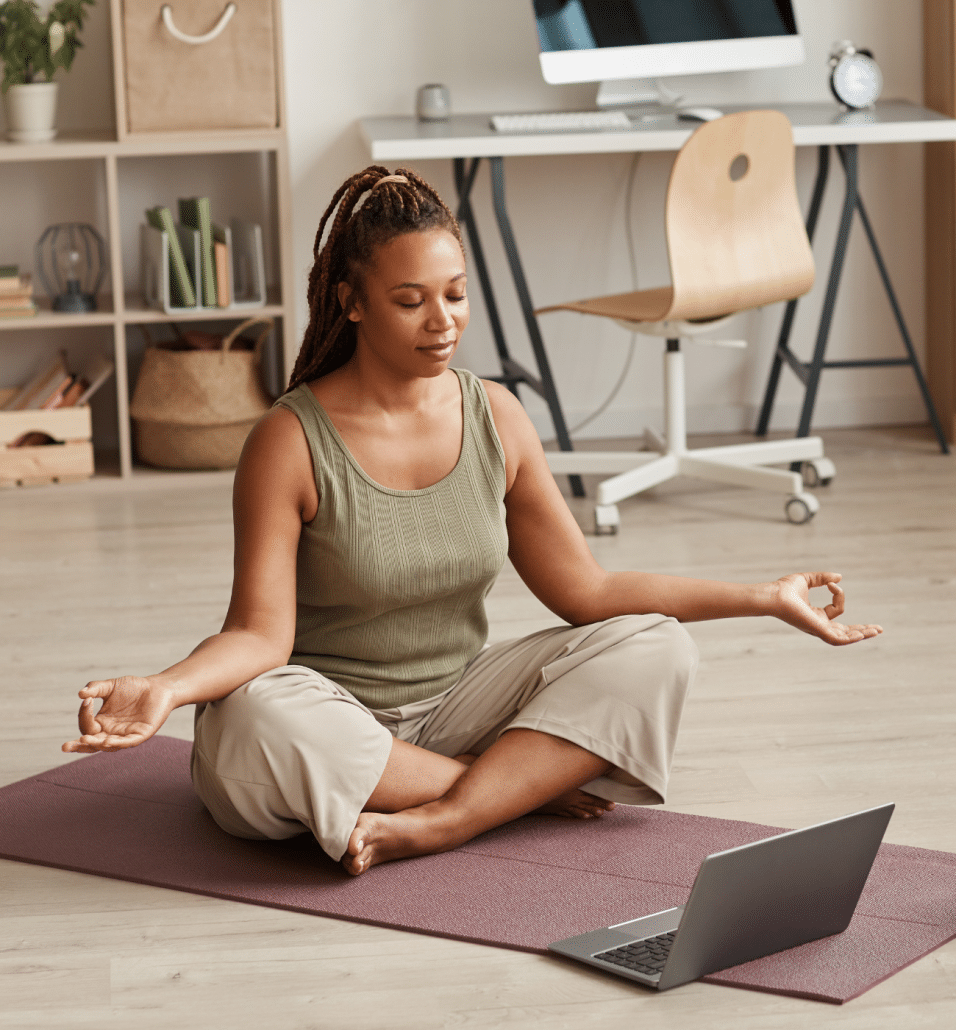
[{"x": 433, "y": 103}]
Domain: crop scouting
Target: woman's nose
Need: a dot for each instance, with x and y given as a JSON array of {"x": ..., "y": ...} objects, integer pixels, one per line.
[{"x": 439, "y": 317}]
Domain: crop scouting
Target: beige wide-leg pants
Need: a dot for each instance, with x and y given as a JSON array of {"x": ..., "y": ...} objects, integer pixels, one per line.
[{"x": 292, "y": 751}]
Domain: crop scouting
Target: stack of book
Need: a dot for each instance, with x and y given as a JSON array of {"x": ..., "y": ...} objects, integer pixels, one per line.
[
  {"x": 55, "y": 386},
  {"x": 16, "y": 293}
]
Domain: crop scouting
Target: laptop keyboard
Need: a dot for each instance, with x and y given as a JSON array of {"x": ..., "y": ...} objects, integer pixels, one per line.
[{"x": 646, "y": 957}]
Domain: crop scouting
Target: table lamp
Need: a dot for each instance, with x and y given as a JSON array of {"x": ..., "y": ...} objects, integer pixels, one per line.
[{"x": 71, "y": 263}]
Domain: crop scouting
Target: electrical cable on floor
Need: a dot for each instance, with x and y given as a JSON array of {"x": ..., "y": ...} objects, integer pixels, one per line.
[{"x": 632, "y": 258}]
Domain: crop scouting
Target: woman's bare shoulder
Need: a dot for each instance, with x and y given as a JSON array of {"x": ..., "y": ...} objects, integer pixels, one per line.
[
  {"x": 506, "y": 409},
  {"x": 516, "y": 431},
  {"x": 276, "y": 462},
  {"x": 276, "y": 435}
]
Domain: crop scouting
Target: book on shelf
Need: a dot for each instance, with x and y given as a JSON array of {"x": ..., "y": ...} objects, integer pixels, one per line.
[
  {"x": 93, "y": 376},
  {"x": 9, "y": 278},
  {"x": 38, "y": 387},
  {"x": 16, "y": 294},
  {"x": 53, "y": 394},
  {"x": 27, "y": 310},
  {"x": 222, "y": 253},
  {"x": 71, "y": 394},
  {"x": 55, "y": 386},
  {"x": 181, "y": 288},
  {"x": 195, "y": 212}
]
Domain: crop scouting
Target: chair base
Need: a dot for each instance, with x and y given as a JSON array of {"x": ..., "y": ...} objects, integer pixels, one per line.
[
  {"x": 734, "y": 465},
  {"x": 667, "y": 457}
]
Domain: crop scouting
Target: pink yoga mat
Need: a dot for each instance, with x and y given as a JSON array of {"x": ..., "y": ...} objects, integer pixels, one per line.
[{"x": 133, "y": 815}]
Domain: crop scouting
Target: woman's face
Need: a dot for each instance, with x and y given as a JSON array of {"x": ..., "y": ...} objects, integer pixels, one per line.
[{"x": 413, "y": 308}]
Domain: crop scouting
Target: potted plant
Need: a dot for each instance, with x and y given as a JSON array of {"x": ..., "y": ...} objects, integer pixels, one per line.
[{"x": 33, "y": 45}]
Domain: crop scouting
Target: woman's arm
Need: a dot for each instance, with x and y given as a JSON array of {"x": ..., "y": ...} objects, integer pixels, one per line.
[
  {"x": 274, "y": 493},
  {"x": 551, "y": 555}
]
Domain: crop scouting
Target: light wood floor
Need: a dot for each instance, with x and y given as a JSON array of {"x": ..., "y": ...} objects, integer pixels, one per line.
[{"x": 105, "y": 578}]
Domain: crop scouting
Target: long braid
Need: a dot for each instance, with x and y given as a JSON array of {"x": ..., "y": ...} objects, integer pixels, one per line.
[{"x": 392, "y": 208}]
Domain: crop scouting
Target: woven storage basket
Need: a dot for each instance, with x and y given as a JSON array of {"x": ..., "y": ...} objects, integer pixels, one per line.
[{"x": 193, "y": 408}]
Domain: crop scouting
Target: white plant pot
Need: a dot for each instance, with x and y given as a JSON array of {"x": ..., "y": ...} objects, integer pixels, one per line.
[{"x": 31, "y": 112}]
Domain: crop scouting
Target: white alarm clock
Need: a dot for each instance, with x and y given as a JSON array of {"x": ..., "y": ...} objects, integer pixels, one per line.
[{"x": 855, "y": 78}]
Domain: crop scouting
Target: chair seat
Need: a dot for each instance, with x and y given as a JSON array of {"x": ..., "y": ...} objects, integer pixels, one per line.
[
  {"x": 641, "y": 307},
  {"x": 637, "y": 306},
  {"x": 649, "y": 312}
]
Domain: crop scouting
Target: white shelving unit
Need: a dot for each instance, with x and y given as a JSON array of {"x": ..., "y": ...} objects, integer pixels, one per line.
[{"x": 136, "y": 170}]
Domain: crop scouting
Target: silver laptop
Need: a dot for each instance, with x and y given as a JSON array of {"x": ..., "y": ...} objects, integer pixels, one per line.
[{"x": 746, "y": 902}]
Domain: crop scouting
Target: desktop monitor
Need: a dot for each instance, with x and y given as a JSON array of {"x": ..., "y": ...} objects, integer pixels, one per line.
[{"x": 627, "y": 44}]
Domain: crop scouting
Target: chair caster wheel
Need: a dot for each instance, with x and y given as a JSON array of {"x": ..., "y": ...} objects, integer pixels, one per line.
[
  {"x": 818, "y": 472},
  {"x": 801, "y": 508},
  {"x": 607, "y": 521}
]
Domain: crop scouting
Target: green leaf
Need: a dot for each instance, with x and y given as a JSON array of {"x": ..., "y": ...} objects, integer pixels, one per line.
[{"x": 25, "y": 39}]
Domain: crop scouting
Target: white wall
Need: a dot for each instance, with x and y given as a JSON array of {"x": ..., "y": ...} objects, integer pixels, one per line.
[
  {"x": 358, "y": 58},
  {"x": 347, "y": 59}
]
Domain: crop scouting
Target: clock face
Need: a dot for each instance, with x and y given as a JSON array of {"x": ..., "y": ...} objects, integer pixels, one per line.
[{"x": 856, "y": 80}]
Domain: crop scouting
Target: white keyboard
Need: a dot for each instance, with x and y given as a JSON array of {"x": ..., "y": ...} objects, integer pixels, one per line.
[{"x": 560, "y": 121}]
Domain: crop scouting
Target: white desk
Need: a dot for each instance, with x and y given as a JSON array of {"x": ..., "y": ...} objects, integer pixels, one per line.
[
  {"x": 468, "y": 138},
  {"x": 814, "y": 124}
]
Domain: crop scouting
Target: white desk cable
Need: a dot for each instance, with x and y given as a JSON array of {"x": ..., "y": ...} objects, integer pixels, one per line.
[{"x": 632, "y": 257}]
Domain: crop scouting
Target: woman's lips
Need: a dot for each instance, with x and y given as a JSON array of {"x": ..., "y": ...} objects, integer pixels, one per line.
[{"x": 438, "y": 348}]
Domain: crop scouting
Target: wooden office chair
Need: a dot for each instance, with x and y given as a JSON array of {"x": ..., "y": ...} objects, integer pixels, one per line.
[{"x": 735, "y": 240}]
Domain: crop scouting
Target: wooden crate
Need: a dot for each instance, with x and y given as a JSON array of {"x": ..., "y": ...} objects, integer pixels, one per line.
[{"x": 67, "y": 460}]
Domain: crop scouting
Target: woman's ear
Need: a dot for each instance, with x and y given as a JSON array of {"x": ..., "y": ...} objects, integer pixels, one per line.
[{"x": 350, "y": 305}]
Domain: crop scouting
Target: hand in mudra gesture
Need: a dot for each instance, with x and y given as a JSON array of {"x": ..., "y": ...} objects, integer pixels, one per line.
[
  {"x": 792, "y": 605},
  {"x": 133, "y": 710}
]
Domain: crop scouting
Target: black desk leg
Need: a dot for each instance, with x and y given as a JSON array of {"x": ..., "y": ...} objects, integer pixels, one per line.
[
  {"x": 809, "y": 372},
  {"x": 911, "y": 358},
  {"x": 464, "y": 180},
  {"x": 782, "y": 351},
  {"x": 513, "y": 373},
  {"x": 545, "y": 387},
  {"x": 815, "y": 367}
]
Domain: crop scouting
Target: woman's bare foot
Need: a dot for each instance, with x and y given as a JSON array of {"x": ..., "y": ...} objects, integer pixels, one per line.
[
  {"x": 381, "y": 837},
  {"x": 520, "y": 772},
  {"x": 575, "y": 804},
  {"x": 367, "y": 844}
]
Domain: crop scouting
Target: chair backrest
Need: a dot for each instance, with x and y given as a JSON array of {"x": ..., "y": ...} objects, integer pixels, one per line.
[{"x": 735, "y": 235}]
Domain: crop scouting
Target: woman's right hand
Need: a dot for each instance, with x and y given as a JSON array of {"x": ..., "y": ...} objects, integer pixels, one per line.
[
  {"x": 274, "y": 492},
  {"x": 133, "y": 709}
]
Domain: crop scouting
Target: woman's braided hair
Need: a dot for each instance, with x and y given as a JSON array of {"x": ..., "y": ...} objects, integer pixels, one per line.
[{"x": 392, "y": 208}]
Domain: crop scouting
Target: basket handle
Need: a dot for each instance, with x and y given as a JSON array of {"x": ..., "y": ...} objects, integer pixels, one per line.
[
  {"x": 167, "y": 15},
  {"x": 267, "y": 324}
]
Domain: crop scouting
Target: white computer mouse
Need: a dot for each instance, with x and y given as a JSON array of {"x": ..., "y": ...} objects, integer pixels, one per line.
[{"x": 699, "y": 114}]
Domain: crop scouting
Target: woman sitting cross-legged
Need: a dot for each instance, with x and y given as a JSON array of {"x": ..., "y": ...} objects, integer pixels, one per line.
[{"x": 350, "y": 691}]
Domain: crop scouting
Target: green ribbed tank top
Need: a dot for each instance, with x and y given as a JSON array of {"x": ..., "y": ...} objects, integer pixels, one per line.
[{"x": 391, "y": 584}]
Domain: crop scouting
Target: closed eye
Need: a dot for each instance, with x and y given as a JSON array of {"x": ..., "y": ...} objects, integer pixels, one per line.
[{"x": 455, "y": 299}]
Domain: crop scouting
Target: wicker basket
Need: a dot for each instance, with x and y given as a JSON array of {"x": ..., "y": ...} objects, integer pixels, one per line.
[{"x": 195, "y": 402}]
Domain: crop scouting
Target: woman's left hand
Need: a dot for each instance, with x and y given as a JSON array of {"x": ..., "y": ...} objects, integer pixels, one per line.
[{"x": 791, "y": 603}]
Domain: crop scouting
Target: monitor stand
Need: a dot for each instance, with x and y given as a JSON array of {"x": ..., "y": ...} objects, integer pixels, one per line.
[{"x": 646, "y": 97}]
